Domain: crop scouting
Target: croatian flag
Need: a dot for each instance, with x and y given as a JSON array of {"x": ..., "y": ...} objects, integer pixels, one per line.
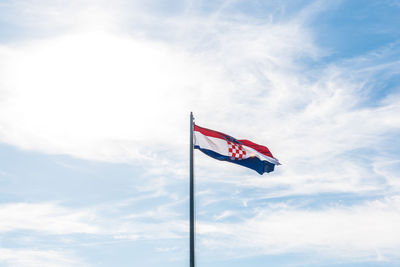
[{"x": 243, "y": 152}]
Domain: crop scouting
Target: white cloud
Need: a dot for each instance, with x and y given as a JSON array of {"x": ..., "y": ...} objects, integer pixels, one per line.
[
  {"x": 46, "y": 218},
  {"x": 354, "y": 232},
  {"x": 38, "y": 258},
  {"x": 53, "y": 219},
  {"x": 101, "y": 93},
  {"x": 44, "y": 17},
  {"x": 97, "y": 91},
  {"x": 64, "y": 227},
  {"x": 106, "y": 96}
]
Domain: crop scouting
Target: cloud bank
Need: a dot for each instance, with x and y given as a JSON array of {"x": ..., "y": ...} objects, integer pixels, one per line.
[
  {"x": 98, "y": 87},
  {"x": 366, "y": 232}
]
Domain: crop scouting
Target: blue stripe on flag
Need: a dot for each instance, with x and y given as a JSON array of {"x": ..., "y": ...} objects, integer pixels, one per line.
[{"x": 253, "y": 163}]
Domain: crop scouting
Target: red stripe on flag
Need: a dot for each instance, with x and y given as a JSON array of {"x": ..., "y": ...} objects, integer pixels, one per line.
[
  {"x": 209, "y": 132},
  {"x": 262, "y": 149}
]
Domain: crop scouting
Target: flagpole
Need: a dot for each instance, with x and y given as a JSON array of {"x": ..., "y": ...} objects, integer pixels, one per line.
[{"x": 191, "y": 194}]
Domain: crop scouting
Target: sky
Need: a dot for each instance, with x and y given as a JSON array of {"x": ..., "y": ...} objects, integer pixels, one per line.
[{"x": 95, "y": 98}]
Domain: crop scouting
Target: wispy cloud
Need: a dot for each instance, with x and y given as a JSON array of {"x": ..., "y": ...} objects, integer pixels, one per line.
[
  {"x": 45, "y": 217},
  {"x": 111, "y": 89},
  {"x": 32, "y": 258},
  {"x": 32, "y": 230},
  {"x": 354, "y": 232},
  {"x": 107, "y": 96}
]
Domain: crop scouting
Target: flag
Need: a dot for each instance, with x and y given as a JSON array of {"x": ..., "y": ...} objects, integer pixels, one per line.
[{"x": 243, "y": 152}]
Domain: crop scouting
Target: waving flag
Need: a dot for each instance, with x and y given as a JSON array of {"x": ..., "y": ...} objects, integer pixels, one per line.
[{"x": 243, "y": 152}]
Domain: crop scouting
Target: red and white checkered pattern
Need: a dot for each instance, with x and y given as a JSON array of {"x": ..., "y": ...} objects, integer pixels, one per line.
[{"x": 235, "y": 151}]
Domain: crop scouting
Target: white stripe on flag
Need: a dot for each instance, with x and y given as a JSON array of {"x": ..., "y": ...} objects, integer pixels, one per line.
[
  {"x": 250, "y": 152},
  {"x": 211, "y": 143}
]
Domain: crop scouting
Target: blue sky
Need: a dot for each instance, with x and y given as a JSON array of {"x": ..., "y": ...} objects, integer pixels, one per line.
[{"x": 94, "y": 110}]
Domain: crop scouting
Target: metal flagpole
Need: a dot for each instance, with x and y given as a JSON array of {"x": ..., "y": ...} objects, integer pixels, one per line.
[{"x": 191, "y": 194}]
